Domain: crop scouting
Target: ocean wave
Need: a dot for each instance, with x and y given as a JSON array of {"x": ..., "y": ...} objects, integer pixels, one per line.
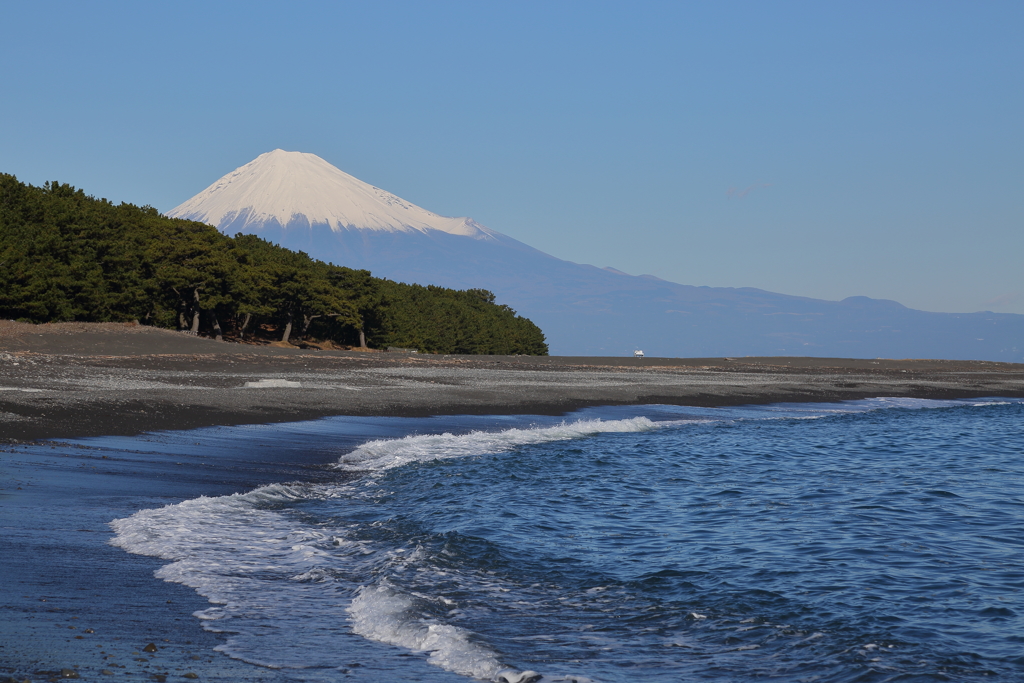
[
  {"x": 291, "y": 557},
  {"x": 384, "y": 614},
  {"x": 175, "y": 531},
  {"x": 387, "y": 616},
  {"x": 251, "y": 548},
  {"x": 389, "y": 453}
]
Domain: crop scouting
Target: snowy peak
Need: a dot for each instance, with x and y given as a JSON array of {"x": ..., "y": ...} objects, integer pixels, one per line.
[{"x": 295, "y": 189}]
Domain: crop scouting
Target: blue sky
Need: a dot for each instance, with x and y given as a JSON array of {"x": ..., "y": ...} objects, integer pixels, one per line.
[{"x": 819, "y": 149}]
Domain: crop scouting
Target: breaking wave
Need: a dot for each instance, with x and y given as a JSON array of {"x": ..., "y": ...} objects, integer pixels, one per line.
[
  {"x": 368, "y": 561},
  {"x": 253, "y": 553},
  {"x": 388, "y": 453}
]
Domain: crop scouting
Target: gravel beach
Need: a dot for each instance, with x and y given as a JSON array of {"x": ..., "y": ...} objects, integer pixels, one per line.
[{"x": 72, "y": 379}]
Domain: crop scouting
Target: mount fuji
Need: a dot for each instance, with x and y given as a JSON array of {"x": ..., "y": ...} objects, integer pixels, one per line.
[{"x": 303, "y": 203}]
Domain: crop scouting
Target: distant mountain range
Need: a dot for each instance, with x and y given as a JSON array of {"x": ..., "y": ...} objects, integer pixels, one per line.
[{"x": 304, "y": 203}]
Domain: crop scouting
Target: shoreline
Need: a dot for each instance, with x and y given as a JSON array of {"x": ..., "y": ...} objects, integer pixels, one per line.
[
  {"x": 71, "y": 601},
  {"x": 75, "y": 380}
]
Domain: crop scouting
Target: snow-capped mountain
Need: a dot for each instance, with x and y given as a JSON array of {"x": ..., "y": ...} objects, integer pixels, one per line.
[
  {"x": 289, "y": 190},
  {"x": 304, "y": 203}
]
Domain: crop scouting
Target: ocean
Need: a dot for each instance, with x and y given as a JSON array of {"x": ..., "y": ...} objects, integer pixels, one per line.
[{"x": 874, "y": 540}]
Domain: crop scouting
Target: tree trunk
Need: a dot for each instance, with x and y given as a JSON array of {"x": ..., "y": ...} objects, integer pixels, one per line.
[
  {"x": 195, "y": 311},
  {"x": 245, "y": 325},
  {"x": 362, "y": 339},
  {"x": 306, "y": 322},
  {"x": 218, "y": 335},
  {"x": 182, "y": 307},
  {"x": 287, "y": 328}
]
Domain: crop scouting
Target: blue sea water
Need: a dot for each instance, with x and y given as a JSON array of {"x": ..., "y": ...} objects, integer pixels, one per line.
[{"x": 876, "y": 540}]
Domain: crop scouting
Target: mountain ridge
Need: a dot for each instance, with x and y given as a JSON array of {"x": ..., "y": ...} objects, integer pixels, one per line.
[{"x": 584, "y": 309}]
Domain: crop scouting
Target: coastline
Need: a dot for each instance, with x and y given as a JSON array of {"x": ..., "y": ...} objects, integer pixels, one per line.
[
  {"x": 74, "y": 606},
  {"x": 73, "y": 380},
  {"x": 69, "y": 392}
]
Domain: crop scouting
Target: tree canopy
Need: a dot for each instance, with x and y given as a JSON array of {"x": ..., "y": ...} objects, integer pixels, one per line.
[{"x": 67, "y": 256}]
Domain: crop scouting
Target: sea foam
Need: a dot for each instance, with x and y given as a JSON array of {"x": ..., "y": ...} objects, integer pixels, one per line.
[
  {"x": 250, "y": 553},
  {"x": 268, "y": 570},
  {"x": 382, "y": 614},
  {"x": 388, "y": 453}
]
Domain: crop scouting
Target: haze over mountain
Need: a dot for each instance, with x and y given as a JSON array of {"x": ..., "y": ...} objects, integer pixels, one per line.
[{"x": 302, "y": 202}]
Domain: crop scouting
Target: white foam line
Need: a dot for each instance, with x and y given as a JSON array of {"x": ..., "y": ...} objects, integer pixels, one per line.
[
  {"x": 174, "y": 532},
  {"x": 386, "y": 454},
  {"x": 381, "y": 614},
  {"x": 389, "y": 453},
  {"x": 221, "y": 546}
]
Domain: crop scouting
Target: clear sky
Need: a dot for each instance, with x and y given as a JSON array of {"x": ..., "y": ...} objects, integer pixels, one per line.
[{"x": 824, "y": 149}]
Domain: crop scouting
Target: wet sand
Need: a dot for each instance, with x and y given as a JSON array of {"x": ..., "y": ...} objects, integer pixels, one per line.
[{"x": 69, "y": 601}]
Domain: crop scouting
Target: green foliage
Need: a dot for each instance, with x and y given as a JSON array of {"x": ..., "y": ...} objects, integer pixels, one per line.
[
  {"x": 438, "y": 320},
  {"x": 67, "y": 256}
]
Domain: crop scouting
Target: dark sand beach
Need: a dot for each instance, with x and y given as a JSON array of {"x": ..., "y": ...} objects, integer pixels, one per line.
[
  {"x": 71, "y": 380},
  {"x": 74, "y": 606}
]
